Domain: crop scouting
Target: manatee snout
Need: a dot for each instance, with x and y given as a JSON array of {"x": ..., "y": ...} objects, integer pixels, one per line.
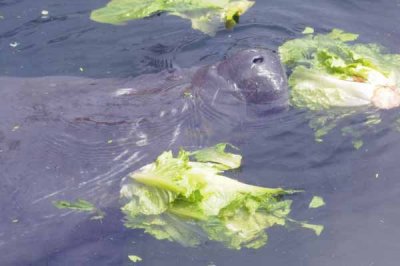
[{"x": 257, "y": 76}]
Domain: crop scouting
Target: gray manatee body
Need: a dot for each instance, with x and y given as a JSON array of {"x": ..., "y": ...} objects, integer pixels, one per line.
[{"x": 68, "y": 138}]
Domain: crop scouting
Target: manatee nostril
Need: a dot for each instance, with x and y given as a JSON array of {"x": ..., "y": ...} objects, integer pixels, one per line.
[{"x": 258, "y": 60}]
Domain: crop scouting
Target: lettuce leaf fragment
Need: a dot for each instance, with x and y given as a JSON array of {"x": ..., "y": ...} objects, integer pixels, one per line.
[
  {"x": 316, "y": 202},
  {"x": 189, "y": 201},
  {"x": 205, "y": 15},
  {"x": 134, "y": 258},
  {"x": 81, "y": 206},
  {"x": 330, "y": 70}
]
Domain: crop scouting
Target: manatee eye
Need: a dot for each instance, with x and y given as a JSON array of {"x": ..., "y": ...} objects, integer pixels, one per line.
[{"x": 258, "y": 60}]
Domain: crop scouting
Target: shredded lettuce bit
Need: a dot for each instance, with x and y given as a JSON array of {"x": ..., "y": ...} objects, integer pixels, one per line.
[
  {"x": 81, "y": 206},
  {"x": 185, "y": 198},
  {"x": 205, "y": 15},
  {"x": 134, "y": 258},
  {"x": 330, "y": 70},
  {"x": 316, "y": 202},
  {"x": 218, "y": 155}
]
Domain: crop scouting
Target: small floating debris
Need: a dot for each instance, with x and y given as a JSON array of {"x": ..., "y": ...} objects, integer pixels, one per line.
[
  {"x": 357, "y": 144},
  {"x": 135, "y": 258},
  {"x": 81, "y": 69},
  {"x": 81, "y": 206},
  {"x": 316, "y": 202},
  {"x": 45, "y": 14},
  {"x": 15, "y": 128},
  {"x": 308, "y": 30},
  {"x": 14, "y": 44}
]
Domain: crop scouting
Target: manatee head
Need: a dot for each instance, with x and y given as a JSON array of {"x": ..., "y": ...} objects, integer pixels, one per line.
[{"x": 257, "y": 77}]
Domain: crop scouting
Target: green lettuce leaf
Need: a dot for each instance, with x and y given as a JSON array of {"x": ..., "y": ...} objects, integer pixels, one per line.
[
  {"x": 316, "y": 202},
  {"x": 187, "y": 201},
  {"x": 329, "y": 70},
  {"x": 205, "y": 15},
  {"x": 134, "y": 258},
  {"x": 80, "y": 205},
  {"x": 218, "y": 155}
]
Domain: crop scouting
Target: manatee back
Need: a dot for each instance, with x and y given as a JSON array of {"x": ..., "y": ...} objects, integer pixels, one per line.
[{"x": 66, "y": 138}]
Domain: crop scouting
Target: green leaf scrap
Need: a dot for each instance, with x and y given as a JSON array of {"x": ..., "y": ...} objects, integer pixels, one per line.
[
  {"x": 134, "y": 258},
  {"x": 187, "y": 201},
  {"x": 82, "y": 206},
  {"x": 316, "y": 202},
  {"x": 329, "y": 70},
  {"x": 78, "y": 205},
  {"x": 205, "y": 15}
]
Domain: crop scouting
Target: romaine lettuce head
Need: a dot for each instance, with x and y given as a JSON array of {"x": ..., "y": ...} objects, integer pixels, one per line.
[
  {"x": 188, "y": 201},
  {"x": 205, "y": 15},
  {"x": 328, "y": 70}
]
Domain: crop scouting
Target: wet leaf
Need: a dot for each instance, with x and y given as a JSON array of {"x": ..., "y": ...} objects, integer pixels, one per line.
[
  {"x": 82, "y": 206},
  {"x": 308, "y": 30},
  {"x": 316, "y": 202},
  {"x": 190, "y": 202},
  {"x": 317, "y": 228},
  {"x": 134, "y": 258},
  {"x": 79, "y": 205},
  {"x": 205, "y": 15},
  {"x": 357, "y": 144}
]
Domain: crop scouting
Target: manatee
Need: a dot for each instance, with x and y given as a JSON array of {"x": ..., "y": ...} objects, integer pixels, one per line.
[{"x": 68, "y": 138}]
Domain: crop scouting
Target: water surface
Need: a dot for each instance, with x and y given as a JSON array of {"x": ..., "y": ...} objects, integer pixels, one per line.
[{"x": 361, "y": 187}]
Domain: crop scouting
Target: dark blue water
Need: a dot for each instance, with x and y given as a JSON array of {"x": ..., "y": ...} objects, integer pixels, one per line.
[{"x": 362, "y": 211}]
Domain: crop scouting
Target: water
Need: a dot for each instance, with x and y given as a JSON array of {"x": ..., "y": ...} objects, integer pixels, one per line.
[{"x": 361, "y": 214}]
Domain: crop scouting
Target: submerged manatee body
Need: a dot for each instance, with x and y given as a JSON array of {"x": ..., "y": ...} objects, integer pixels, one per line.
[{"x": 66, "y": 138}]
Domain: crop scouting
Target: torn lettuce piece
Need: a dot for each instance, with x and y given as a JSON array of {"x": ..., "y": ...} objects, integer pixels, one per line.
[
  {"x": 317, "y": 228},
  {"x": 327, "y": 70},
  {"x": 316, "y": 202},
  {"x": 189, "y": 202},
  {"x": 134, "y": 258},
  {"x": 78, "y": 205},
  {"x": 205, "y": 15},
  {"x": 82, "y": 206},
  {"x": 218, "y": 155}
]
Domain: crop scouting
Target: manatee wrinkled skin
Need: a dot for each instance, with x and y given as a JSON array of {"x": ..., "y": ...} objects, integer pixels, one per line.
[{"x": 68, "y": 138}]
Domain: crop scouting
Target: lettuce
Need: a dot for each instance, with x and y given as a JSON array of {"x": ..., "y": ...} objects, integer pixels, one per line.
[
  {"x": 187, "y": 199},
  {"x": 328, "y": 70},
  {"x": 205, "y": 15},
  {"x": 80, "y": 205}
]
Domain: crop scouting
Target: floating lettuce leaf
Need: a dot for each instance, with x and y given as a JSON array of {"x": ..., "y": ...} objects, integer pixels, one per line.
[
  {"x": 217, "y": 154},
  {"x": 80, "y": 205},
  {"x": 337, "y": 78},
  {"x": 317, "y": 228},
  {"x": 134, "y": 258},
  {"x": 328, "y": 70},
  {"x": 316, "y": 202},
  {"x": 308, "y": 30},
  {"x": 205, "y": 15},
  {"x": 187, "y": 201}
]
